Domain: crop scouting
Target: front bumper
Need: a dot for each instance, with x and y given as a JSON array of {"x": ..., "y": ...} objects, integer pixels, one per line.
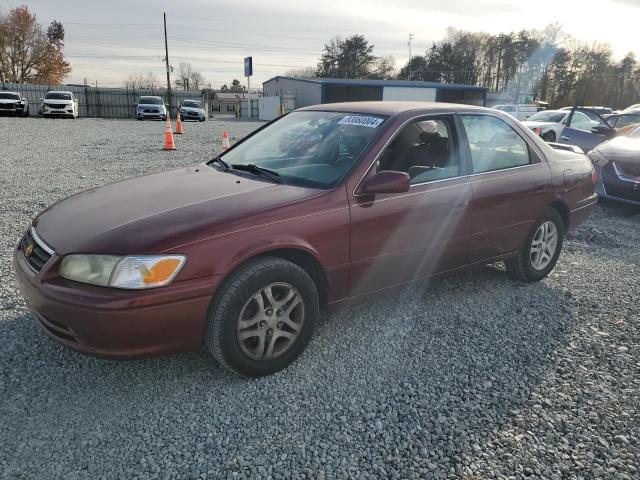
[
  {"x": 154, "y": 115},
  {"x": 116, "y": 323},
  {"x": 48, "y": 111},
  {"x": 192, "y": 116}
]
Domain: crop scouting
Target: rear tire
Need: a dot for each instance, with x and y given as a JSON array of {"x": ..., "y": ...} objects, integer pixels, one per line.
[
  {"x": 536, "y": 260},
  {"x": 549, "y": 136},
  {"x": 249, "y": 331}
]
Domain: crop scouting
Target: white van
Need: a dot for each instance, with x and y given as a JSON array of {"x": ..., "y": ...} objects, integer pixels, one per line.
[{"x": 521, "y": 111}]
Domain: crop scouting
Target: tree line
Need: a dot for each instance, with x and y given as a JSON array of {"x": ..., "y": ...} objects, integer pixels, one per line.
[{"x": 528, "y": 65}]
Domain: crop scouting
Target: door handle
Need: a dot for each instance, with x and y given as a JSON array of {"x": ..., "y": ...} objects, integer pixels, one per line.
[{"x": 564, "y": 137}]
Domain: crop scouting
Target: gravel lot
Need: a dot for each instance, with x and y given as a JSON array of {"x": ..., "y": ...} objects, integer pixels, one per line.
[{"x": 474, "y": 376}]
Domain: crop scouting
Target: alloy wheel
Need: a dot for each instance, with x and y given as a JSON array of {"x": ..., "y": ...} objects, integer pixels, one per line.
[
  {"x": 270, "y": 321},
  {"x": 543, "y": 245}
]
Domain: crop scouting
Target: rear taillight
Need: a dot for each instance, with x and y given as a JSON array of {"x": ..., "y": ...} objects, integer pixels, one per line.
[
  {"x": 537, "y": 131},
  {"x": 594, "y": 176}
]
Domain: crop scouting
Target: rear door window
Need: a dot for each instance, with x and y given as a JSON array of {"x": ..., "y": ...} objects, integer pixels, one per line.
[{"x": 494, "y": 145}]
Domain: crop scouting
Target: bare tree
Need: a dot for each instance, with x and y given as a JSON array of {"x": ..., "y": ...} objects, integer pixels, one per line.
[
  {"x": 304, "y": 72},
  {"x": 140, "y": 80},
  {"x": 188, "y": 77}
]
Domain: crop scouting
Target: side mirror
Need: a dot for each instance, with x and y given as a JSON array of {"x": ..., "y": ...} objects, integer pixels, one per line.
[
  {"x": 603, "y": 130},
  {"x": 387, "y": 181}
]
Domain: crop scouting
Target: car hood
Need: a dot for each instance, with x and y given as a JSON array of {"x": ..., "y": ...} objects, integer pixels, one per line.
[
  {"x": 534, "y": 124},
  {"x": 621, "y": 150},
  {"x": 57, "y": 102},
  {"x": 157, "y": 212},
  {"x": 191, "y": 109},
  {"x": 150, "y": 105},
  {"x": 7, "y": 100}
]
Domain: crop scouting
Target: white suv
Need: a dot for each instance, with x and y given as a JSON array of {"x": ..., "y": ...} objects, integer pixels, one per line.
[
  {"x": 521, "y": 111},
  {"x": 59, "y": 103}
]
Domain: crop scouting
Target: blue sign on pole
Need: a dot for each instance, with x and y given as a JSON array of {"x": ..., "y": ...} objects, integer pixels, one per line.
[{"x": 248, "y": 66}]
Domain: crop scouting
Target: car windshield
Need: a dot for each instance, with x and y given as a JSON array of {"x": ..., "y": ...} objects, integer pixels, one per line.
[
  {"x": 554, "y": 117},
  {"x": 191, "y": 103},
  {"x": 313, "y": 149},
  {"x": 150, "y": 101},
  {"x": 58, "y": 96},
  {"x": 9, "y": 96}
]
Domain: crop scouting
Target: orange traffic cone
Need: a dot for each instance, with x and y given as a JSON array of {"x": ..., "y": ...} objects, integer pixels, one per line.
[
  {"x": 225, "y": 141},
  {"x": 179, "y": 130},
  {"x": 168, "y": 136}
]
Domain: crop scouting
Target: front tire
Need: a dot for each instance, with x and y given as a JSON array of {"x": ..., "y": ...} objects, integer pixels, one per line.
[
  {"x": 541, "y": 249},
  {"x": 263, "y": 317}
]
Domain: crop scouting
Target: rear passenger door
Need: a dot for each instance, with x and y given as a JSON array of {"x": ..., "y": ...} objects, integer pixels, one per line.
[{"x": 510, "y": 186}]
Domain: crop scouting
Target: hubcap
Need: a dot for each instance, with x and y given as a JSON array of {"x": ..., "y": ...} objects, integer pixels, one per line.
[
  {"x": 544, "y": 245},
  {"x": 270, "y": 321}
]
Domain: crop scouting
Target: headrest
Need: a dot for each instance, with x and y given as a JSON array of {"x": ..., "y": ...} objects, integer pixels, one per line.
[{"x": 428, "y": 136}]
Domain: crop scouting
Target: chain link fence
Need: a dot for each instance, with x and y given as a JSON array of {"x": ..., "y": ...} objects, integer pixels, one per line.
[{"x": 103, "y": 102}]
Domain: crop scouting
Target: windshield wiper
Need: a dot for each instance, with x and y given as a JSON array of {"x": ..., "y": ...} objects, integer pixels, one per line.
[
  {"x": 218, "y": 160},
  {"x": 255, "y": 169}
]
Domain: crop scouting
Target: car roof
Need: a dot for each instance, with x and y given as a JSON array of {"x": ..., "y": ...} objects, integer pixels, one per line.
[
  {"x": 392, "y": 108},
  {"x": 150, "y": 96},
  {"x": 10, "y": 91},
  {"x": 59, "y": 91}
]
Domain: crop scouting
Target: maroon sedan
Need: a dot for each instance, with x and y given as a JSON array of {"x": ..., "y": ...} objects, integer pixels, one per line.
[{"x": 325, "y": 205}]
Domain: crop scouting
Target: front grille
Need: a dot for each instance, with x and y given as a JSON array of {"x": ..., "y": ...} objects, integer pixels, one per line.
[
  {"x": 7, "y": 106},
  {"x": 36, "y": 254},
  {"x": 151, "y": 110},
  {"x": 55, "y": 105}
]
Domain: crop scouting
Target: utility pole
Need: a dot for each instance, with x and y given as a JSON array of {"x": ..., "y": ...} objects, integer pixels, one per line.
[
  {"x": 410, "y": 38},
  {"x": 166, "y": 59}
]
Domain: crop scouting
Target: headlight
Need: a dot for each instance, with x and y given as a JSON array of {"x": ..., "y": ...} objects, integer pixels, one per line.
[
  {"x": 597, "y": 158},
  {"x": 131, "y": 272}
]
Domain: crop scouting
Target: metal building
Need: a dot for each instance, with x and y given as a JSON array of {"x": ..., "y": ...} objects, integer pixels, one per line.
[{"x": 331, "y": 90}]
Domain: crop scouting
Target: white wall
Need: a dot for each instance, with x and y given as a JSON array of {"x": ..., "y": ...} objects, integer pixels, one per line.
[
  {"x": 268, "y": 108},
  {"x": 409, "y": 93}
]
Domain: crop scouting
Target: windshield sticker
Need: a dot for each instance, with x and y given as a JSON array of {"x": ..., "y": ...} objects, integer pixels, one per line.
[{"x": 371, "y": 122}]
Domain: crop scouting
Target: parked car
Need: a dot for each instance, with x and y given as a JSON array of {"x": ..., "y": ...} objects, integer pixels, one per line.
[
  {"x": 521, "y": 111},
  {"x": 583, "y": 128},
  {"x": 599, "y": 110},
  {"x": 59, "y": 103},
  {"x": 151, "y": 107},
  {"x": 241, "y": 252},
  {"x": 617, "y": 164},
  {"x": 192, "y": 110},
  {"x": 635, "y": 106},
  {"x": 620, "y": 120},
  {"x": 13, "y": 103}
]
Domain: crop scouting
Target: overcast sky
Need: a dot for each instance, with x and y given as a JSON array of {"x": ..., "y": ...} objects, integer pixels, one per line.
[{"x": 108, "y": 40}]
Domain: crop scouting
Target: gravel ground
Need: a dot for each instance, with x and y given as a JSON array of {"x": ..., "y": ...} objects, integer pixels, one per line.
[{"x": 474, "y": 376}]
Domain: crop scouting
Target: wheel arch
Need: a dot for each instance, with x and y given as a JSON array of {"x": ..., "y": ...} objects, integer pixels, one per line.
[
  {"x": 299, "y": 256},
  {"x": 563, "y": 210}
]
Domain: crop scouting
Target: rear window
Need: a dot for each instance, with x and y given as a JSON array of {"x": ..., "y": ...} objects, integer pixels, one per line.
[
  {"x": 554, "y": 117},
  {"x": 9, "y": 96},
  {"x": 58, "y": 96},
  {"x": 150, "y": 101}
]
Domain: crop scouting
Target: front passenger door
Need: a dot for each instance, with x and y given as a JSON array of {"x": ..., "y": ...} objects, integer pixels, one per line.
[{"x": 400, "y": 237}]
